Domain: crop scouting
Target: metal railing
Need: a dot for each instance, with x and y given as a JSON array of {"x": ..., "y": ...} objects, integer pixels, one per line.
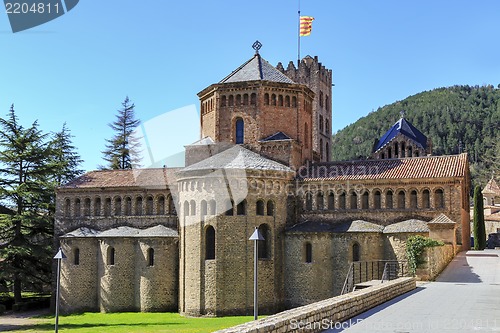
[{"x": 383, "y": 270}]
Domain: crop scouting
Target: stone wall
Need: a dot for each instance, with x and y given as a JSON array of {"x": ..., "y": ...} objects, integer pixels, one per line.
[
  {"x": 314, "y": 317},
  {"x": 436, "y": 259}
]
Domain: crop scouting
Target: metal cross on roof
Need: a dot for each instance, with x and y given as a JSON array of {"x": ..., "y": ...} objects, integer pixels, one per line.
[
  {"x": 256, "y": 46},
  {"x": 402, "y": 113}
]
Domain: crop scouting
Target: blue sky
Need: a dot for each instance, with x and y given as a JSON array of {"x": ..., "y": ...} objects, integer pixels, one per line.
[{"x": 79, "y": 67}]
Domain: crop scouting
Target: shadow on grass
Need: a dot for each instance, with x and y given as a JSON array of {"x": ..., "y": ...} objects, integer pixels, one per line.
[{"x": 50, "y": 326}]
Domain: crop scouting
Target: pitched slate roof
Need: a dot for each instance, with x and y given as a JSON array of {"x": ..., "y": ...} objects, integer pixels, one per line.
[
  {"x": 491, "y": 187},
  {"x": 277, "y": 137},
  {"x": 257, "y": 68},
  {"x": 203, "y": 142},
  {"x": 237, "y": 157},
  {"x": 441, "y": 219},
  {"x": 156, "y": 231},
  {"x": 405, "y": 168},
  {"x": 404, "y": 127},
  {"x": 407, "y": 226},
  {"x": 347, "y": 226},
  {"x": 159, "y": 177}
]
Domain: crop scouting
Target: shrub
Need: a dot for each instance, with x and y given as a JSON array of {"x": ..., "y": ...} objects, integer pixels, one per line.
[{"x": 415, "y": 245}]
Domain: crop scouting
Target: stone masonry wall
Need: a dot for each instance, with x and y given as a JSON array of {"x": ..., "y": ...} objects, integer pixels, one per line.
[
  {"x": 314, "y": 317},
  {"x": 436, "y": 259}
]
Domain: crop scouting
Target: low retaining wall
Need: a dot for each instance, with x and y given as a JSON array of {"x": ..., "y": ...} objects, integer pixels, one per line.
[
  {"x": 314, "y": 317},
  {"x": 436, "y": 259}
]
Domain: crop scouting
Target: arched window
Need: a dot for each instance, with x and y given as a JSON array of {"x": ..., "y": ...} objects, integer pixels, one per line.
[
  {"x": 327, "y": 103},
  {"x": 280, "y": 100},
  {"x": 273, "y": 99},
  {"x": 223, "y": 101},
  {"x": 308, "y": 252},
  {"x": 128, "y": 206},
  {"x": 118, "y": 206},
  {"x": 439, "y": 198},
  {"x": 321, "y": 148},
  {"x": 230, "y": 207},
  {"x": 210, "y": 243},
  {"x": 241, "y": 208},
  {"x": 170, "y": 207},
  {"x": 231, "y": 100},
  {"x": 245, "y": 99},
  {"x": 388, "y": 200},
  {"x": 138, "y": 206},
  {"x": 294, "y": 101},
  {"x": 396, "y": 150},
  {"x": 213, "y": 207},
  {"x": 309, "y": 201},
  {"x": 401, "y": 200},
  {"x": 321, "y": 123},
  {"x": 382, "y": 156},
  {"x": 259, "y": 208},
  {"x": 240, "y": 131},
  {"x": 327, "y": 126},
  {"x": 266, "y": 99},
  {"x": 331, "y": 201},
  {"x": 160, "y": 205},
  {"x": 426, "y": 202},
  {"x": 67, "y": 208},
  {"x": 287, "y": 101},
  {"x": 186, "y": 208},
  {"x": 151, "y": 257},
  {"x": 149, "y": 205},
  {"x": 270, "y": 208},
  {"x": 410, "y": 154},
  {"x": 264, "y": 251},
  {"x": 238, "y": 100},
  {"x": 253, "y": 99},
  {"x": 306, "y": 136},
  {"x": 192, "y": 205},
  {"x": 319, "y": 201},
  {"x": 203, "y": 208},
  {"x": 76, "y": 256},
  {"x": 97, "y": 206},
  {"x": 86, "y": 207},
  {"x": 342, "y": 201},
  {"x": 403, "y": 149},
  {"x": 364, "y": 200},
  {"x": 389, "y": 152},
  {"x": 320, "y": 98},
  {"x": 377, "y": 202},
  {"x": 413, "y": 199},
  {"x": 327, "y": 149},
  {"x": 110, "y": 258},
  {"x": 107, "y": 207},
  {"x": 356, "y": 253},
  {"x": 417, "y": 153},
  {"x": 354, "y": 200}
]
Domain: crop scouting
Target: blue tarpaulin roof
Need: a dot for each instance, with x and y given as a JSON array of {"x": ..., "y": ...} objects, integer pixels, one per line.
[{"x": 404, "y": 127}]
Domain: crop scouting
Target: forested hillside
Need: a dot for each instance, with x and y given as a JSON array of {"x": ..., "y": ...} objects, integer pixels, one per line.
[{"x": 458, "y": 118}]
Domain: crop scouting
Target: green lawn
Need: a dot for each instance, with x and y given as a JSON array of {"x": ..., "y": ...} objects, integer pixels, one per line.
[{"x": 134, "y": 322}]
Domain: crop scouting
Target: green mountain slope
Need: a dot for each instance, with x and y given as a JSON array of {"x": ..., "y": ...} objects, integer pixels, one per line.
[{"x": 458, "y": 118}]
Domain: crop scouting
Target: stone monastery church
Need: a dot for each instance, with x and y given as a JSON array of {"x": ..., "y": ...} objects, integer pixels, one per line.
[{"x": 177, "y": 239}]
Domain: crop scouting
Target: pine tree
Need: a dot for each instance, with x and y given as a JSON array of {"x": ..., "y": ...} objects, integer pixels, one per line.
[
  {"x": 479, "y": 229},
  {"x": 66, "y": 158},
  {"x": 26, "y": 187},
  {"x": 122, "y": 150}
]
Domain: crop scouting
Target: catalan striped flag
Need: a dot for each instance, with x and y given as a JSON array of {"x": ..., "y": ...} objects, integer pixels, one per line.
[{"x": 305, "y": 25}]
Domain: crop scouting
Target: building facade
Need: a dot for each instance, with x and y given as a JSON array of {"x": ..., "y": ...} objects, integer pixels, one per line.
[{"x": 177, "y": 239}]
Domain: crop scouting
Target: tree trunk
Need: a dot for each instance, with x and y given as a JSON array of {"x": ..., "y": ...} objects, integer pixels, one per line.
[{"x": 17, "y": 289}]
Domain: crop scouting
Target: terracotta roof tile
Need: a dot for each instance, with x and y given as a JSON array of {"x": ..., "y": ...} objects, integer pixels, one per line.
[{"x": 405, "y": 168}]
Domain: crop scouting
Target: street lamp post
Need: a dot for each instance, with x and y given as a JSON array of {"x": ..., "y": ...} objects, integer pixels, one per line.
[
  {"x": 256, "y": 237},
  {"x": 59, "y": 256}
]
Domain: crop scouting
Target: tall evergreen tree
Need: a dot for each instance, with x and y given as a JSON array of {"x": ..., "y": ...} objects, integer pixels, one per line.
[
  {"x": 123, "y": 149},
  {"x": 65, "y": 156},
  {"x": 479, "y": 229},
  {"x": 26, "y": 187}
]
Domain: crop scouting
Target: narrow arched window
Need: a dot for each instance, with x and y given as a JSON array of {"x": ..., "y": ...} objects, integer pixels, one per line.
[
  {"x": 238, "y": 100},
  {"x": 210, "y": 243},
  {"x": 264, "y": 250},
  {"x": 230, "y": 208},
  {"x": 377, "y": 202},
  {"x": 270, "y": 208},
  {"x": 410, "y": 153},
  {"x": 294, "y": 101},
  {"x": 308, "y": 252},
  {"x": 76, "y": 256},
  {"x": 401, "y": 200},
  {"x": 151, "y": 257},
  {"x": 110, "y": 260},
  {"x": 231, "y": 100},
  {"x": 128, "y": 206},
  {"x": 245, "y": 99},
  {"x": 192, "y": 205},
  {"x": 186, "y": 208},
  {"x": 78, "y": 211},
  {"x": 413, "y": 199},
  {"x": 426, "y": 202},
  {"x": 287, "y": 101},
  {"x": 327, "y": 150},
  {"x": 389, "y": 153},
  {"x": 331, "y": 201},
  {"x": 107, "y": 207},
  {"x": 86, "y": 207},
  {"x": 273, "y": 99},
  {"x": 396, "y": 150},
  {"x": 138, "y": 206},
  {"x": 223, "y": 101},
  {"x": 149, "y": 205},
  {"x": 259, "y": 208},
  {"x": 320, "y": 98},
  {"x": 241, "y": 208},
  {"x": 160, "y": 205},
  {"x": 439, "y": 198},
  {"x": 97, "y": 206},
  {"x": 319, "y": 201},
  {"x": 213, "y": 207},
  {"x": 240, "y": 131},
  {"x": 354, "y": 200},
  {"x": 321, "y": 149},
  {"x": 118, "y": 206},
  {"x": 306, "y": 136},
  {"x": 203, "y": 208},
  {"x": 321, "y": 123},
  {"x": 67, "y": 208},
  {"x": 280, "y": 100},
  {"x": 364, "y": 201},
  {"x": 403, "y": 149},
  {"x": 309, "y": 203},
  {"x": 388, "y": 200},
  {"x": 253, "y": 99},
  {"x": 342, "y": 201},
  {"x": 266, "y": 99},
  {"x": 356, "y": 255}
]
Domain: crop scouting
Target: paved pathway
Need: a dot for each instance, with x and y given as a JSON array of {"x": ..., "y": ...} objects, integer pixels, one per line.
[
  {"x": 464, "y": 298},
  {"x": 18, "y": 320}
]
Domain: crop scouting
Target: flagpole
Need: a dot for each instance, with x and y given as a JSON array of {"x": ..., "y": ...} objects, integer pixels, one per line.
[{"x": 298, "y": 38}]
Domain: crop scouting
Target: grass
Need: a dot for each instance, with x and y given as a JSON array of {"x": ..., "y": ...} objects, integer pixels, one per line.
[{"x": 132, "y": 322}]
